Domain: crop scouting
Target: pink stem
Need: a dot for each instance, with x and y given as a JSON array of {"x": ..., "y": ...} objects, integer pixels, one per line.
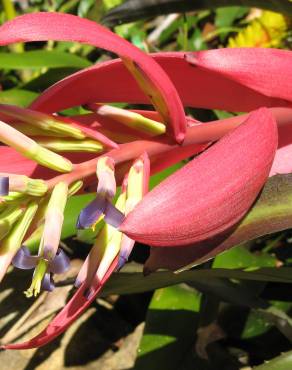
[{"x": 196, "y": 134}]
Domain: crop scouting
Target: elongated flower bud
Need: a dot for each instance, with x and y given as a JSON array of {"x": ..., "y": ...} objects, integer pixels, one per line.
[
  {"x": 12, "y": 197},
  {"x": 136, "y": 186},
  {"x": 74, "y": 187},
  {"x": 47, "y": 254},
  {"x": 131, "y": 119},
  {"x": 24, "y": 184},
  {"x": 155, "y": 97},
  {"x": 41, "y": 120},
  {"x": 8, "y": 217},
  {"x": 104, "y": 251},
  {"x": 54, "y": 218},
  {"x": 32, "y": 150},
  {"x": 101, "y": 206},
  {"x": 66, "y": 145},
  {"x": 212, "y": 192},
  {"x": 12, "y": 242},
  {"x": 30, "y": 130}
]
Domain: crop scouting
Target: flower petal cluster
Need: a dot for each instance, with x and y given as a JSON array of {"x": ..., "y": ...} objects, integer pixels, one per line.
[{"x": 109, "y": 147}]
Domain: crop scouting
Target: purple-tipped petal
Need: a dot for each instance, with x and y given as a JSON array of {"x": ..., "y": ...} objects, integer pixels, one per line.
[
  {"x": 4, "y": 185},
  {"x": 48, "y": 283},
  {"x": 91, "y": 213},
  {"x": 23, "y": 260},
  {"x": 113, "y": 216},
  {"x": 88, "y": 293},
  {"x": 126, "y": 249},
  {"x": 122, "y": 261},
  {"x": 60, "y": 263},
  {"x": 105, "y": 171},
  {"x": 77, "y": 283}
]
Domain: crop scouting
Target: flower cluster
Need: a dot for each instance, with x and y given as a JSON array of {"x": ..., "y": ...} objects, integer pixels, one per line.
[{"x": 124, "y": 147}]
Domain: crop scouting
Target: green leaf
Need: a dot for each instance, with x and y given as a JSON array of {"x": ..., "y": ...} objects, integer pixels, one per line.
[
  {"x": 283, "y": 362},
  {"x": 18, "y": 97},
  {"x": 256, "y": 324},
  {"x": 221, "y": 114},
  {"x": 226, "y": 290},
  {"x": 160, "y": 176},
  {"x": 170, "y": 328},
  {"x": 197, "y": 42},
  {"x": 133, "y": 10},
  {"x": 74, "y": 206},
  {"x": 111, "y": 3},
  {"x": 45, "y": 80},
  {"x": 226, "y": 16},
  {"x": 84, "y": 6},
  {"x": 41, "y": 59},
  {"x": 240, "y": 257},
  {"x": 134, "y": 282}
]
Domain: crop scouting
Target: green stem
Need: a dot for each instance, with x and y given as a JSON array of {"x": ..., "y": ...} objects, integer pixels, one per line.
[
  {"x": 9, "y": 9},
  {"x": 185, "y": 33},
  {"x": 10, "y": 13}
]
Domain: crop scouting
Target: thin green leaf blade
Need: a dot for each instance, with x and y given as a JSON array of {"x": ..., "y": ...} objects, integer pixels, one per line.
[
  {"x": 133, "y": 281},
  {"x": 283, "y": 362},
  {"x": 20, "y": 97},
  {"x": 41, "y": 59}
]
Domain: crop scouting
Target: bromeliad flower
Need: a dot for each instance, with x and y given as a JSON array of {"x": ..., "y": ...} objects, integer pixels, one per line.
[
  {"x": 42, "y": 278},
  {"x": 111, "y": 244},
  {"x": 50, "y": 259},
  {"x": 101, "y": 205},
  {"x": 205, "y": 198}
]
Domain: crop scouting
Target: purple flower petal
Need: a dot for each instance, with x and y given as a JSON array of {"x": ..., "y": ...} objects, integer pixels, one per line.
[
  {"x": 122, "y": 261},
  {"x": 23, "y": 260},
  {"x": 77, "y": 283},
  {"x": 88, "y": 292},
  {"x": 106, "y": 184},
  {"x": 113, "y": 216},
  {"x": 4, "y": 185},
  {"x": 91, "y": 213},
  {"x": 48, "y": 283},
  {"x": 60, "y": 263},
  {"x": 126, "y": 249}
]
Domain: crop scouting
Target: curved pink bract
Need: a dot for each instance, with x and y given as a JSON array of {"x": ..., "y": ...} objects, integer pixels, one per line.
[
  {"x": 197, "y": 86},
  {"x": 66, "y": 27},
  {"x": 210, "y": 193}
]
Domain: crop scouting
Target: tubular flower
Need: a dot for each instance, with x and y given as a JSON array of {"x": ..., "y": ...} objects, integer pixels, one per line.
[
  {"x": 101, "y": 206},
  {"x": 49, "y": 259},
  {"x": 135, "y": 186},
  {"x": 207, "y": 196},
  {"x": 110, "y": 242},
  {"x": 42, "y": 278}
]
